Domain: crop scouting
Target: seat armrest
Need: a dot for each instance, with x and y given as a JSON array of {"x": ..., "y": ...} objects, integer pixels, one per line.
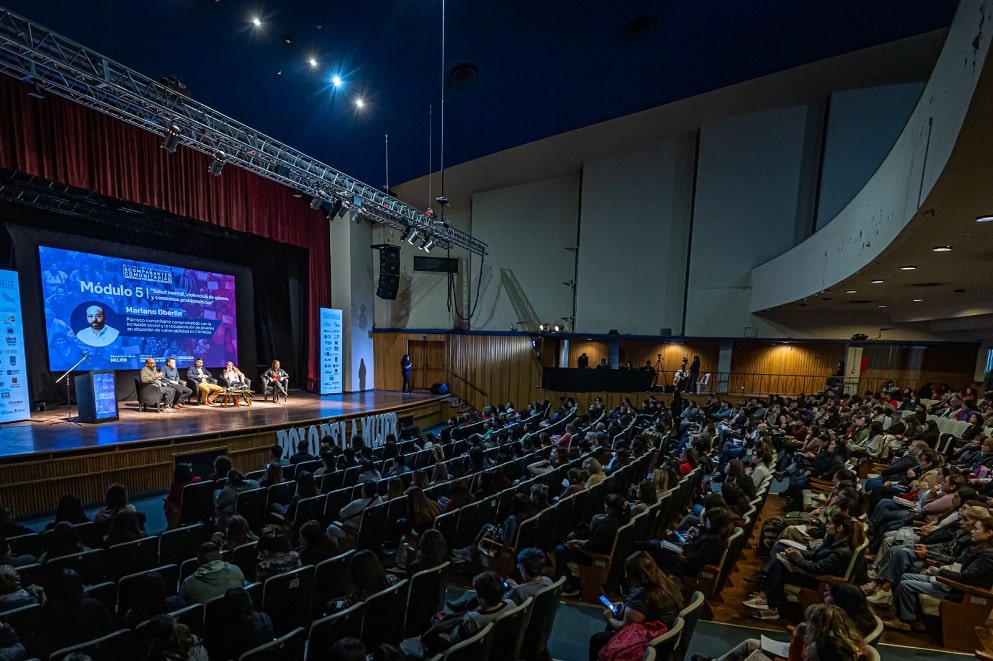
[{"x": 968, "y": 589}]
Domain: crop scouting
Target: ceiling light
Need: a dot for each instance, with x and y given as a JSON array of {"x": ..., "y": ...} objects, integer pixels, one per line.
[
  {"x": 986, "y": 218},
  {"x": 359, "y": 103},
  {"x": 908, "y": 268},
  {"x": 256, "y": 21},
  {"x": 880, "y": 306},
  {"x": 877, "y": 282},
  {"x": 918, "y": 300},
  {"x": 336, "y": 80},
  {"x": 556, "y": 328},
  {"x": 942, "y": 249},
  {"x": 313, "y": 63},
  {"x": 851, "y": 291}
]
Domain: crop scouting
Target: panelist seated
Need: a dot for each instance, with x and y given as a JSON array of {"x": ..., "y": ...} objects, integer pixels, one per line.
[
  {"x": 204, "y": 381},
  {"x": 275, "y": 381},
  {"x": 150, "y": 375},
  {"x": 232, "y": 377},
  {"x": 171, "y": 375}
]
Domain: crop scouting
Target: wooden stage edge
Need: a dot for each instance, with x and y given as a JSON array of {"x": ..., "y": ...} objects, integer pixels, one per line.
[{"x": 47, "y": 457}]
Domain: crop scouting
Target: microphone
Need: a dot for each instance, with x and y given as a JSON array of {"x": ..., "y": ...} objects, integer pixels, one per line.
[{"x": 85, "y": 355}]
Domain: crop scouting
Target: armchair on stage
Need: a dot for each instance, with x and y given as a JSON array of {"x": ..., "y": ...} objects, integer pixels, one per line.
[
  {"x": 269, "y": 388},
  {"x": 148, "y": 395},
  {"x": 224, "y": 382}
]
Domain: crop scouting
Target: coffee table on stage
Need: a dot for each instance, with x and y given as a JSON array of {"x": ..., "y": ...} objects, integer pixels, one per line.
[{"x": 232, "y": 397}]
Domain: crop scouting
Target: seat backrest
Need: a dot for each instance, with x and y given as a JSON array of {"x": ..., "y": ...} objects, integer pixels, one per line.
[
  {"x": 425, "y": 597},
  {"x": 117, "y": 646},
  {"x": 327, "y": 630},
  {"x": 386, "y": 624},
  {"x": 372, "y": 527},
  {"x": 91, "y": 565},
  {"x": 539, "y": 629},
  {"x": 251, "y": 505},
  {"x": 730, "y": 557},
  {"x": 246, "y": 557},
  {"x": 182, "y": 543},
  {"x": 690, "y": 615},
  {"x": 308, "y": 509},
  {"x": 474, "y": 648},
  {"x": 129, "y": 587},
  {"x": 289, "y": 646},
  {"x": 623, "y": 543},
  {"x": 332, "y": 578},
  {"x": 198, "y": 503},
  {"x": 665, "y": 645},
  {"x": 192, "y": 616},
  {"x": 285, "y": 598},
  {"x": 509, "y": 630},
  {"x": 280, "y": 493},
  {"x": 130, "y": 557}
]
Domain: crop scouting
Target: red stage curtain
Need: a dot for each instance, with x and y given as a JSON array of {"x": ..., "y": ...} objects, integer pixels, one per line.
[{"x": 65, "y": 142}]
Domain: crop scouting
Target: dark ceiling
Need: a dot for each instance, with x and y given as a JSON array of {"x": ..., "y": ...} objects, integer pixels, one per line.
[{"x": 517, "y": 71}]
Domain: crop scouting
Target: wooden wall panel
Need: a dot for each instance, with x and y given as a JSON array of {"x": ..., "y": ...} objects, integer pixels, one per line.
[
  {"x": 638, "y": 351},
  {"x": 913, "y": 366},
  {"x": 768, "y": 367}
]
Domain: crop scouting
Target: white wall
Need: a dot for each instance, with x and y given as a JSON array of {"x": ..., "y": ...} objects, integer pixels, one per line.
[
  {"x": 352, "y": 290},
  {"x": 862, "y": 126},
  {"x": 528, "y": 229},
  {"x": 633, "y": 239},
  {"x": 748, "y": 181}
]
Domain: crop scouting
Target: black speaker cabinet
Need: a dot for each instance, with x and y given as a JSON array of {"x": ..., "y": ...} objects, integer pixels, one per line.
[{"x": 389, "y": 272}]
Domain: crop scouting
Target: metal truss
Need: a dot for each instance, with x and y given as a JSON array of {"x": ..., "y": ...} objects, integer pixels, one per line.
[{"x": 60, "y": 66}]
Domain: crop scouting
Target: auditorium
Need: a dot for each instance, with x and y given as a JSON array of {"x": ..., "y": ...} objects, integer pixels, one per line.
[{"x": 531, "y": 331}]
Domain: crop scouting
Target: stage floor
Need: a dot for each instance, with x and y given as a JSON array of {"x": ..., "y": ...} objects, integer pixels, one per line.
[{"x": 50, "y": 432}]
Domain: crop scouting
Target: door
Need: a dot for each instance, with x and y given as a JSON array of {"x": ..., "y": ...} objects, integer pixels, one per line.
[{"x": 427, "y": 360}]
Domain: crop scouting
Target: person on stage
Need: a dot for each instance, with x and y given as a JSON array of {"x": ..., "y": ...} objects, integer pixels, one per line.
[
  {"x": 98, "y": 334},
  {"x": 234, "y": 376},
  {"x": 207, "y": 387},
  {"x": 151, "y": 375},
  {"x": 171, "y": 376},
  {"x": 405, "y": 365},
  {"x": 277, "y": 379}
]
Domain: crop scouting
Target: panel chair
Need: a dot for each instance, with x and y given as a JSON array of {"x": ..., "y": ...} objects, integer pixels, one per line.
[{"x": 327, "y": 630}]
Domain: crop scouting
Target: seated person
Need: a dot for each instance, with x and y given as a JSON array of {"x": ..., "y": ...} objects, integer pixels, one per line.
[
  {"x": 655, "y": 597},
  {"x": 234, "y": 377},
  {"x": 350, "y": 516},
  {"x": 171, "y": 376},
  {"x": 489, "y": 593},
  {"x": 793, "y": 566},
  {"x": 151, "y": 376},
  {"x": 976, "y": 569},
  {"x": 206, "y": 383},
  {"x": 276, "y": 380},
  {"x": 704, "y": 548},
  {"x": 598, "y": 537},
  {"x": 212, "y": 578},
  {"x": 240, "y": 629}
]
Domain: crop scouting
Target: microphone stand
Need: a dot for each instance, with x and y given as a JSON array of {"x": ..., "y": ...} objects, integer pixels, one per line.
[{"x": 69, "y": 387}]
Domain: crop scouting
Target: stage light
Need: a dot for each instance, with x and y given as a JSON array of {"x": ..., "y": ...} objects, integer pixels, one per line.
[
  {"x": 405, "y": 233},
  {"x": 359, "y": 103},
  {"x": 343, "y": 209},
  {"x": 217, "y": 163},
  {"x": 335, "y": 208},
  {"x": 256, "y": 21},
  {"x": 556, "y": 328},
  {"x": 313, "y": 63},
  {"x": 315, "y": 203},
  {"x": 413, "y": 237},
  {"x": 171, "y": 138},
  {"x": 357, "y": 217},
  {"x": 429, "y": 244},
  {"x": 336, "y": 80}
]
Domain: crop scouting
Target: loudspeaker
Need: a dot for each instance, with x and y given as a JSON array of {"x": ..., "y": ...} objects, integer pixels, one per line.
[
  {"x": 389, "y": 272},
  {"x": 439, "y": 389}
]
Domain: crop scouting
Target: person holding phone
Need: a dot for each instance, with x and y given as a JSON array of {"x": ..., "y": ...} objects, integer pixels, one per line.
[{"x": 654, "y": 597}]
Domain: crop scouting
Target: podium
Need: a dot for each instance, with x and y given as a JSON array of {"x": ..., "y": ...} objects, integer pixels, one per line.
[{"x": 96, "y": 396}]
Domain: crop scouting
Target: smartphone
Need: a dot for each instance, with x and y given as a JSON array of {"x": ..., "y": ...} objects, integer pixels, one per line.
[
  {"x": 606, "y": 602},
  {"x": 679, "y": 536},
  {"x": 506, "y": 585}
]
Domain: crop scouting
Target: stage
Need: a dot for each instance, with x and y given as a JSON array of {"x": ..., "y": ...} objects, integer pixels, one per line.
[{"x": 49, "y": 433}]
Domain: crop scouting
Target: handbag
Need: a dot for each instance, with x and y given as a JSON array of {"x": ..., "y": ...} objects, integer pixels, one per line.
[{"x": 631, "y": 641}]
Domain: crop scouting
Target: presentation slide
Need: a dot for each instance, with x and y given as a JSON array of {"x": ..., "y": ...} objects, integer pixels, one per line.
[{"x": 116, "y": 312}]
